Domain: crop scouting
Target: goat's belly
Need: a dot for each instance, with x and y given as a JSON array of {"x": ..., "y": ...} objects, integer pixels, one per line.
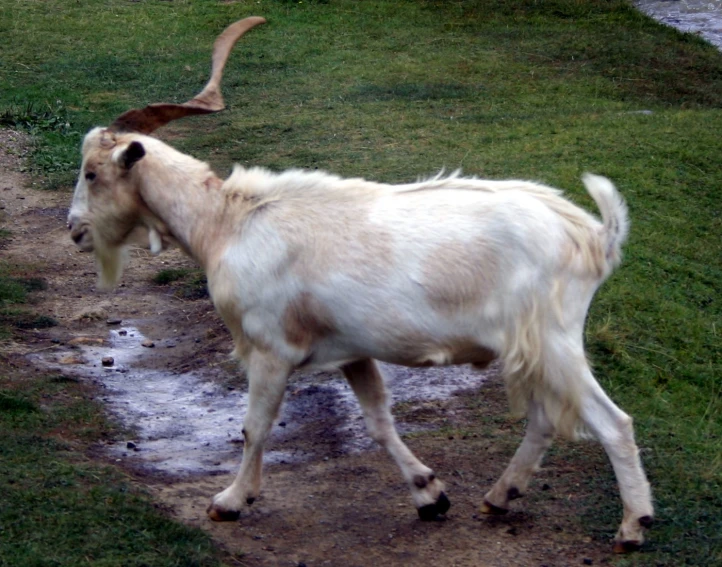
[{"x": 462, "y": 352}]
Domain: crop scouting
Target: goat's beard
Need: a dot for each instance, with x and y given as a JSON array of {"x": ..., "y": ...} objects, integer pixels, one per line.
[{"x": 110, "y": 261}]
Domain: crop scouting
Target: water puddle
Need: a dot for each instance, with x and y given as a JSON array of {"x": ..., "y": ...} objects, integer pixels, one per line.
[
  {"x": 703, "y": 17},
  {"x": 187, "y": 423}
]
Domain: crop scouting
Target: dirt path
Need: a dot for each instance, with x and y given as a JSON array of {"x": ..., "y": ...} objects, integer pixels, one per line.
[{"x": 325, "y": 501}]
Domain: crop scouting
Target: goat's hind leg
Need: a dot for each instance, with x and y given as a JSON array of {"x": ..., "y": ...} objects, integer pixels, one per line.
[
  {"x": 267, "y": 377},
  {"x": 426, "y": 490},
  {"x": 614, "y": 430},
  {"x": 526, "y": 460}
]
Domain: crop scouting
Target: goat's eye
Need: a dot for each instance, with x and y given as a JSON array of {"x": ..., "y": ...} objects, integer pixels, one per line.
[{"x": 89, "y": 176}]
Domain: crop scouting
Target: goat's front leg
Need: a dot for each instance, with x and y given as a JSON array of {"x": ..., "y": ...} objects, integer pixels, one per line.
[
  {"x": 526, "y": 460},
  {"x": 426, "y": 490},
  {"x": 267, "y": 377}
]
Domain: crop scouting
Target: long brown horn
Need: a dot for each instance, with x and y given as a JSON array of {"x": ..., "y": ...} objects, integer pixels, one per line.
[{"x": 146, "y": 120}]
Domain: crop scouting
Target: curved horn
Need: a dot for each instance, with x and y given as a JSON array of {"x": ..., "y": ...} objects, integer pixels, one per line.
[{"x": 146, "y": 120}]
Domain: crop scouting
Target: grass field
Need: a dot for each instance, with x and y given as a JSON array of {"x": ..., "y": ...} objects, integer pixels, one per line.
[{"x": 394, "y": 90}]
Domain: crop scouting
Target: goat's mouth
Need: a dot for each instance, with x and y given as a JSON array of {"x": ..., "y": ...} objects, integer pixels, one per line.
[{"x": 82, "y": 238}]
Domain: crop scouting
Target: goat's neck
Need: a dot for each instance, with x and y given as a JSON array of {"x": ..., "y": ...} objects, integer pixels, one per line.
[{"x": 184, "y": 201}]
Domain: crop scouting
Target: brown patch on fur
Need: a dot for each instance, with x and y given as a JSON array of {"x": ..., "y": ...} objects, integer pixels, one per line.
[
  {"x": 306, "y": 320},
  {"x": 459, "y": 274}
]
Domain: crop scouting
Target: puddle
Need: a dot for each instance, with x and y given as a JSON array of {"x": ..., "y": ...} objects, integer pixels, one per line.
[
  {"x": 186, "y": 423},
  {"x": 703, "y": 17}
]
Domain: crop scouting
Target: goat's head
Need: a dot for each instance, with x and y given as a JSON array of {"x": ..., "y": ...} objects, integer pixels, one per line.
[{"x": 106, "y": 205}]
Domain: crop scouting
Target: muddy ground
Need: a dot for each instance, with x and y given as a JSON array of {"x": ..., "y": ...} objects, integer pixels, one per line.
[{"x": 330, "y": 497}]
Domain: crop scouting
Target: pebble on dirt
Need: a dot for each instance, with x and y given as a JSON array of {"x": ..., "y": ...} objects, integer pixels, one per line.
[
  {"x": 147, "y": 343},
  {"x": 108, "y": 361}
]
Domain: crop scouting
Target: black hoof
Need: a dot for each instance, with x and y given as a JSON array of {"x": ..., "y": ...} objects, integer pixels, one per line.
[
  {"x": 491, "y": 509},
  {"x": 429, "y": 512},
  {"x": 222, "y": 515},
  {"x": 626, "y": 546}
]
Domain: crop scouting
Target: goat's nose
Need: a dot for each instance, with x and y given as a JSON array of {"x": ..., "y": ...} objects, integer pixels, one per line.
[{"x": 77, "y": 237}]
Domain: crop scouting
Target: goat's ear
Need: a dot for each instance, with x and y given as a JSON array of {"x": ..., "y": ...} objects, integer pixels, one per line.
[{"x": 131, "y": 155}]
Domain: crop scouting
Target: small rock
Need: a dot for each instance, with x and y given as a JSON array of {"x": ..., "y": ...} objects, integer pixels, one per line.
[
  {"x": 108, "y": 361},
  {"x": 281, "y": 424},
  {"x": 130, "y": 445},
  {"x": 71, "y": 359},
  {"x": 587, "y": 561},
  {"x": 147, "y": 343},
  {"x": 114, "y": 321},
  {"x": 122, "y": 332}
]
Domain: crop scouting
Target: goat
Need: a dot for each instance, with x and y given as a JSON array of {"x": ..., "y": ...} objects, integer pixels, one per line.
[{"x": 311, "y": 270}]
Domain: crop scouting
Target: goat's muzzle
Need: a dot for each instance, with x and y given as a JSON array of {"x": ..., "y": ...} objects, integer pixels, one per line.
[{"x": 80, "y": 233}]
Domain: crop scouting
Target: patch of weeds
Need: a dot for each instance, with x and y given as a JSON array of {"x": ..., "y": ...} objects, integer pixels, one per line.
[
  {"x": 14, "y": 291},
  {"x": 166, "y": 277},
  {"x": 32, "y": 283},
  {"x": 32, "y": 321},
  {"x": 191, "y": 284},
  {"x": 11, "y": 403},
  {"x": 11, "y": 291},
  {"x": 54, "y": 153},
  {"x": 34, "y": 118}
]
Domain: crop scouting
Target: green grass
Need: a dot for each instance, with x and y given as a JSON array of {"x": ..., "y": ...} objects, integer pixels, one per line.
[
  {"x": 393, "y": 90},
  {"x": 61, "y": 509}
]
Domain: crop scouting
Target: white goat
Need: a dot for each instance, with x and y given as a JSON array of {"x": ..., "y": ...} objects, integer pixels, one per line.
[{"x": 308, "y": 269}]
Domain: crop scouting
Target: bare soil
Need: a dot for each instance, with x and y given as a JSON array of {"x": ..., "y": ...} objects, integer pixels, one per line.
[{"x": 336, "y": 507}]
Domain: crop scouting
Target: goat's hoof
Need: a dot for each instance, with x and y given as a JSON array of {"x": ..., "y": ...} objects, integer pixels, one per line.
[
  {"x": 627, "y": 546},
  {"x": 429, "y": 512},
  {"x": 491, "y": 509},
  {"x": 218, "y": 514}
]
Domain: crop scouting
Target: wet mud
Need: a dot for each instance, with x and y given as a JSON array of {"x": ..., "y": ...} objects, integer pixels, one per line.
[
  {"x": 190, "y": 422},
  {"x": 702, "y": 17}
]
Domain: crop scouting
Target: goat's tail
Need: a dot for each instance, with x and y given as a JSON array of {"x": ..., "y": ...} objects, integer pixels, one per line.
[{"x": 614, "y": 215}]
